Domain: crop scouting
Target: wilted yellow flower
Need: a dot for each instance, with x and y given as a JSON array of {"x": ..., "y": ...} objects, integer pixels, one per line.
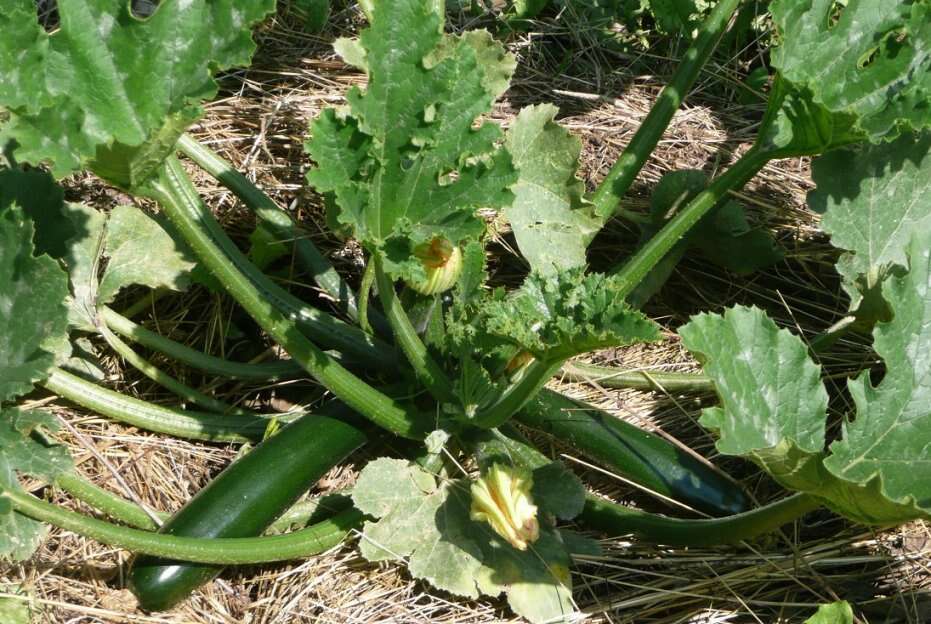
[{"x": 502, "y": 499}]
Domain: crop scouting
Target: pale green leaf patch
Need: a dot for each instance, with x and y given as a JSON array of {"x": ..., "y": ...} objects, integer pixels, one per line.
[
  {"x": 140, "y": 251},
  {"x": 873, "y": 198},
  {"x": 123, "y": 248},
  {"x": 551, "y": 221}
]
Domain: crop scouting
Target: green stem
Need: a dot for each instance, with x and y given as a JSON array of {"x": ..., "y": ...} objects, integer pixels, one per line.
[
  {"x": 428, "y": 372},
  {"x": 133, "y": 515},
  {"x": 637, "y": 267},
  {"x": 318, "y": 325},
  {"x": 518, "y": 393},
  {"x": 365, "y": 291},
  {"x": 179, "y": 200},
  {"x": 277, "y": 219},
  {"x": 618, "y": 181},
  {"x": 826, "y": 339},
  {"x": 210, "y": 364},
  {"x": 112, "y": 505},
  {"x": 145, "y": 302},
  {"x": 183, "y": 424},
  {"x": 610, "y": 377},
  {"x": 165, "y": 380},
  {"x": 220, "y": 551},
  {"x": 618, "y": 520}
]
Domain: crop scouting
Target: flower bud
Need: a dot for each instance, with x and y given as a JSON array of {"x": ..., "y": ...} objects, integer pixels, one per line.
[
  {"x": 502, "y": 499},
  {"x": 443, "y": 263}
]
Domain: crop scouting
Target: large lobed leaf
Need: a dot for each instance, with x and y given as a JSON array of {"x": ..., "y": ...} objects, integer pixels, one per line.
[
  {"x": 426, "y": 521},
  {"x": 136, "y": 249},
  {"x": 873, "y": 199},
  {"x": 406, "y": 161},
  {"x": 111, "y": 90},
  {"x": 874, "y": 473},
  {"x": 868, "y": 59},
  {"x": 551, "y": 221},
  {"x": 773, "y": 406},
  {"x": 33, "y": 317}
]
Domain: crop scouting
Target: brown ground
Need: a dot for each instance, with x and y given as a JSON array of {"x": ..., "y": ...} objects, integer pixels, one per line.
[{"x": 259, "y": 124}]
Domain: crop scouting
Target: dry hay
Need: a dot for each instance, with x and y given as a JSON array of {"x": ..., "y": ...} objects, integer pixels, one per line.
[{"x": 259, "y": 124}]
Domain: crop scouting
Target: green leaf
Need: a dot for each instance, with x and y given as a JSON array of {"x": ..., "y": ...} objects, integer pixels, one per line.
[
  {"x": 558, "y": 491},
  {"x": 673, "y": 16},
  {"x": 137, "y": 251},
  {"x": 15, "y": 611},
  {"x": 551, "y": 221},
  {"x": 141, "y": 252},
  {"x": 83, "y": 256},
  {"x": 773, "y": 404},
  {"x": 33, "y": 317},
  {"x": 315, "y": 14},
  {"x": 536, "y": 581},
  {"x": 796, "y": 125},
  {"x": 556, "y": 317},
  {"x": 839, "y": 612},
  {"x": 886, "y": 443},
  {"x": 404, "y": 161},
  {"x": 24, "y": 449},
  {"x": 873, "y": 199},
  {"x": 43, "y": 201},
  {"x": 426, "y": 523},
  {"x": 869, "y": 59},
  {"x": 111, "y": 90},
  {"x": 387, "y": 483},
  {"x": 266, "y": 246}
]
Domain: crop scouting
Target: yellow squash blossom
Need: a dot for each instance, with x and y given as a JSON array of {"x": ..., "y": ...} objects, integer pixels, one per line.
[{"x": 502, "y": 499}]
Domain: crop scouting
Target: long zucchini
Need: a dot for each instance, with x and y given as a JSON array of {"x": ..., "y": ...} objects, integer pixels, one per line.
[
  {"x": 635, "y": 454},
  {"x": 243, "y": 501}
]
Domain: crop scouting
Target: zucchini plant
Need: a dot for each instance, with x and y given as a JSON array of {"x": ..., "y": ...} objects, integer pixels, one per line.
[{"x": 410, "y": 167}]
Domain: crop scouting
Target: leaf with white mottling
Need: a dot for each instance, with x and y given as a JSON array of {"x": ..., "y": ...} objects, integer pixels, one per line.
[
  {"x": 551, "y": 221},
  {"x": 141, "y": 252}
]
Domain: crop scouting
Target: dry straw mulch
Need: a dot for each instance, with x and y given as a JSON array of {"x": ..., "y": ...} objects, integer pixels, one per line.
[{"x": 259, "y": 123}]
